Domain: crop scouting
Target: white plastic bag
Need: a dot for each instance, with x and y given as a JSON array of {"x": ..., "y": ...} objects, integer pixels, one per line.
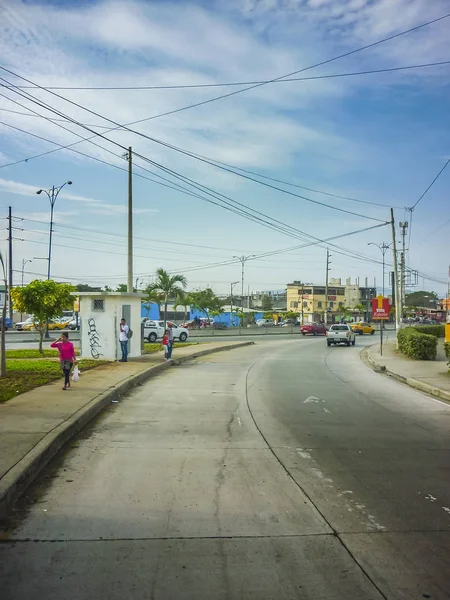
[{"x": 76, "y": 373}]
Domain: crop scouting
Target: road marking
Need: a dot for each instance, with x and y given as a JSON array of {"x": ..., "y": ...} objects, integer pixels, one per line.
[
  {"x": 310, "y": 399},
  {"x": 430, "y": 497},
  {"x": 447, "y": 510},
  {"x": 327, "y": 411}
]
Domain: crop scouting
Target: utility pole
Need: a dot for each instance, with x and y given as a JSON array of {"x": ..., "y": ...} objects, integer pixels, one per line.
[
  {"x": 326, "y": 287},
  {"x": 232, "y": 284},
  {"x": 396, "y": 286},
  {"x": 10, "y": 240},
  {"x": 130, "y": 223},
  {"x": 403, "y": 227},
  {"x": 243, "y": 259}
]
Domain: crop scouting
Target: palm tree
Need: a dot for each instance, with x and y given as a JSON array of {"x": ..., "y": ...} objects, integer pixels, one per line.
[
  {"x": 152, "y": 297},
  {"x": 185, "y": 300},
  {"x": 168, "y": 286}
]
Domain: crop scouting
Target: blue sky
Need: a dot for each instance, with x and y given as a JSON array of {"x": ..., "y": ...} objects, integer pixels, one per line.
[{"x": 379, "y": 138}]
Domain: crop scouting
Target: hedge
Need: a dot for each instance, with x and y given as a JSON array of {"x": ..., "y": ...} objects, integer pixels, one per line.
[
  {"x": 447, "y": 350},
  {"x": 418, "y": 345},
  {"x": 436, "y": 330}
]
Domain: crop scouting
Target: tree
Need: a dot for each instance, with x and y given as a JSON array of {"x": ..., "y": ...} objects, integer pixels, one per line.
[
  {"x": 169, "y": 286},
  {"x": 152, "y": 297},
  {"x": 359, "y": 307},
  {"x": 422, "y": 299},
  {"x": 207, "y": 301},
  {"x": 266, "y": 303},
  {"x": 3, "y": 332},
  {"x": 122, "y": 287},
  {"x": 44, "y": 300},
  {"x": 84, "y": 287},
  {"x": 183, "y": 299}
]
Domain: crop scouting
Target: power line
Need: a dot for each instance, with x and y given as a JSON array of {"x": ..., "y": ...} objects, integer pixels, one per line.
[
  {"x": 239, "y": 83},
  {"x": 47, "y": 107},
  {"x": 431, "y": 184}
]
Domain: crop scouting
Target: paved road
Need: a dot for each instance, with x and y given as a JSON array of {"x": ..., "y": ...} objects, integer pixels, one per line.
[{"x": 280, "y": 471}]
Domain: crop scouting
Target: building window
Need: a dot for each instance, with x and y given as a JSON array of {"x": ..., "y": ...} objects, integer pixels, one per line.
[
  {"x": 341, "y": 304},
  {"x": 98, "y": 304},
  {"x": 331, "y": 304},
  {"x": 305, "y": 304},
  {"x": 319, "y": 304},
  {"x": 294, "y": 304}
]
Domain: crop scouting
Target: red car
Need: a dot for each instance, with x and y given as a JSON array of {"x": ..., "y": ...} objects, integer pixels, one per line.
[{"x": 313, "y": 329}]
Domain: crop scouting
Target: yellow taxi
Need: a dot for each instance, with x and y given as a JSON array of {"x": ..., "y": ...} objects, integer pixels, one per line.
[
  {"x": 361, "y": 327},
  {"x": 51, "y": 325}
]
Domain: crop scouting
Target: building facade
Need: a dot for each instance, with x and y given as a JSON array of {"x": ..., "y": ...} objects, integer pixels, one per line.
[{"x": 312, "y": 304}]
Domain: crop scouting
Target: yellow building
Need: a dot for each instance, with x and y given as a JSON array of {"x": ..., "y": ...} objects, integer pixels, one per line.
[{"x": 309, "y": 300}]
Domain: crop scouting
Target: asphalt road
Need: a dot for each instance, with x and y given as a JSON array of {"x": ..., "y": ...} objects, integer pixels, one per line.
[{"x": 280, "y": 471}]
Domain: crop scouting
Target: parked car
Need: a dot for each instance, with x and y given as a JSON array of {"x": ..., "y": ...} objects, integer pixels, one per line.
[
  {"x": 340, "y": 334},
  {"x": 362, "y": 328},
  {"x": 154, "y": 330},
  {"x": 265, "y": 323},
  {"x": 52, "y": 325},
  {"x": 8, "y": 324},
  {"x": 19, "y": 326},
  {"x": 73, "y": 324},
  {"x": 313, "y": 329}
]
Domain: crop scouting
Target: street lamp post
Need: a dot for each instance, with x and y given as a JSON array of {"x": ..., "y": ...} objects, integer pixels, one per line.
[
  {"x": 231, "y": 300},
  {"x": 383, "y": 247},
  {"x": 52, "y": 194},
  {"x": 243, "y": 259},
  {"x": 24, "y": 262}
]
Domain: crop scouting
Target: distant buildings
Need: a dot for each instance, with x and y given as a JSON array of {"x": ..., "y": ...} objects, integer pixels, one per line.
[{"x": 311, "y": 303}]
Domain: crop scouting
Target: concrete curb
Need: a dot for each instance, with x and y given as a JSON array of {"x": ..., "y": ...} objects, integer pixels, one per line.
[
  {"x": 414, "y": 383},
  {"x": 17, "y": 479}
]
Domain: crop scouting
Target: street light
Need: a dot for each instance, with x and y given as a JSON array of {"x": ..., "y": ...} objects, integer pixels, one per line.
[
  {"x": 52, "y": 196},
  {"x": 243, "y": 259},
  {"x": 24, "y": 262},
  {"x": 383, "y": 247},
  {"x": 231, "y": 299}
]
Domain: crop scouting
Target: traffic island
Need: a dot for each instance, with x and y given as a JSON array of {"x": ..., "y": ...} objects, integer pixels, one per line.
[{"x": 36, "y": 424}]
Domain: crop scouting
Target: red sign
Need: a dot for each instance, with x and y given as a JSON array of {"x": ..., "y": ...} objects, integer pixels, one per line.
[{"x": 380, "y": 308}]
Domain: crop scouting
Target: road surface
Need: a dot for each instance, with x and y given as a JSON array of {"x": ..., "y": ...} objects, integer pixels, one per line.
[{"x": 279, "y": 471}]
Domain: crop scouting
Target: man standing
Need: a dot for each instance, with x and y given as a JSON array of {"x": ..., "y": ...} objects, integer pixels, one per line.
[
  {"x": 123, "y": 338},
  {"x": 170, "y": 345}
]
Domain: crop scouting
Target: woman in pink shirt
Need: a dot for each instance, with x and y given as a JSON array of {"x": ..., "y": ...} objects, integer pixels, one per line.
[{"x": 66, "y": 356}]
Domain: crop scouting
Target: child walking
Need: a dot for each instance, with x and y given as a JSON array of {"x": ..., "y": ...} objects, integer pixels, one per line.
[
  {"x": 66, "y": 356},
  {"x": 165, "y": 344}
]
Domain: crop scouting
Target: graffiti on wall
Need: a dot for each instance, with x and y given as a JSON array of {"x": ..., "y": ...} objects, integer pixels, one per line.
[{"x": 94, "y": 338}]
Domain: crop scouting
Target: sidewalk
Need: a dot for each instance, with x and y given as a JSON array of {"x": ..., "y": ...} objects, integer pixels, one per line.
[
  {"x": 430, "y": 376},
  {"x": 35, "y": 425}
]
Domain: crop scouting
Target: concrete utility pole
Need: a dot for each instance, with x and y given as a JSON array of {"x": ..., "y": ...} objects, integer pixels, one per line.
[
  {"x": 10, "y": 240},
  {"x": 243, "y": 259},
  {"x": 326, "y": 287},
  {"x": 130, "y": 223},
  {"x": 403, "y": 227},
  {"x": 396, "y": 286},
  {"x": 232, "y": 284}
]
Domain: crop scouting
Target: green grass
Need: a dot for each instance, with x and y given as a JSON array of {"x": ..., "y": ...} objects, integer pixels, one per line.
[
  {"x": 150, "y": 348},
  {"x": 24, "y": 375},
  {"x": 31, "y": 353}
]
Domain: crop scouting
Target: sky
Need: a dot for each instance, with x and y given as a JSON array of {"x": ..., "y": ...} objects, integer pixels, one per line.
[{"x": 369, "y": 141}]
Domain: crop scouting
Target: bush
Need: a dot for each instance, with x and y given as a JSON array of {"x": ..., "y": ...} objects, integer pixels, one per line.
[
  {"x": 417, "y": 345},
  {"x": 436, "y": 330},
  {"x": 447, "y": 349}
]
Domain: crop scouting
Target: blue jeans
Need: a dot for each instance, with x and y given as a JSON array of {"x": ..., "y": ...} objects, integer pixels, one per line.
[
  {"x": 124, "y": 348},
  {"x": 169, "y": 349}
]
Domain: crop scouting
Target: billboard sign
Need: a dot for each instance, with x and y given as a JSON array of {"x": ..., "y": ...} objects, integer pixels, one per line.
[{"x": 380, "y": 308}]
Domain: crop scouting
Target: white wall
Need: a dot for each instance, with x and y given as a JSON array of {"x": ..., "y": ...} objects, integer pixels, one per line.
[{"x": 99, "y": 329}]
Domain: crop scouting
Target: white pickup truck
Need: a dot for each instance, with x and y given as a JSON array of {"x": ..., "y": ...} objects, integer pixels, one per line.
[{"x": 340, "y": 334}]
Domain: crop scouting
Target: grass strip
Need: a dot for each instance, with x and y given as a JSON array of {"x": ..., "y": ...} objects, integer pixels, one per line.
[{"x": 25, "y": 375}]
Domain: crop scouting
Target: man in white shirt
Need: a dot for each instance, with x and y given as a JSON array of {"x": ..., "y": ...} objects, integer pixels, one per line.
[{"x": 123, "y": 338}]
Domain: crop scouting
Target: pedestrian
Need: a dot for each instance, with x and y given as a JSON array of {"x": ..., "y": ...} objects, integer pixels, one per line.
[
  {"x": 66, "y": 356},
  {"x": 123, "y": 338},
  {"x": 165, "y": 344},
  {"x": 170, "y": 345}
]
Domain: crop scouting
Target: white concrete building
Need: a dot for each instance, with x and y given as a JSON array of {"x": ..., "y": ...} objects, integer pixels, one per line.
[{"x": 100, "y": 315}]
